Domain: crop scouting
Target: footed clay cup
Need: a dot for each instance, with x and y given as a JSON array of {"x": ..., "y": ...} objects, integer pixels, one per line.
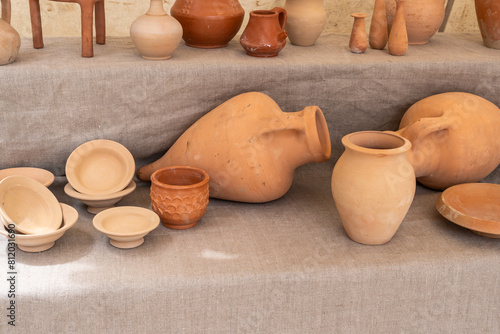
[
  {"x": 43, "y": 241},
  {"x": 28, "y": 205},
  {"x": 126, "y": 226},
  {"x": 41, "y": 175},
  {"x": 179, "y": 195}
]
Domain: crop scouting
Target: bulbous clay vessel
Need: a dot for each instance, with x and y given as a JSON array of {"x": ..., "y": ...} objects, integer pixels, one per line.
[
  {"x": 378, "y": 27},
  {"x": 423, "y": 18},
  {"x": 305, "y": 21},
  {"x": 358, "y": 41},
  {"x": 455, "y": 139},
  {"x": 156, "y": 34},
  {"x": 265, "y": 34},
  {"x": 398, "y": 37},
  {"x": 208, "y": 24},
  {"x": 249, "y": 147},
  {"x": 488, "y": 18},
  {"x": 373, "y": 185},
  {"x": 10, "y": 41}
]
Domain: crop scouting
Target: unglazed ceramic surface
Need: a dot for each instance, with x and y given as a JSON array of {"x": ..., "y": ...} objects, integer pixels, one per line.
[
  {"x": 475, "y": 206},
  {"x": 100, "y": 167},
  {"x": 10, "y": 41},
  {"x": 44, "y": 241},
  {"x": 179, "y": 195},
  {"x": 378, "y": 28},
  {"x": 126, "y": 226},
  {"x": 29, "y": 205},
  {"x": 398, "y": 37},
  {"x": 358, "y": 41},
  {"x": 305, "y": 21},
  {"x": 488, "y": 18},
  {"x": 41, "y": 175}
]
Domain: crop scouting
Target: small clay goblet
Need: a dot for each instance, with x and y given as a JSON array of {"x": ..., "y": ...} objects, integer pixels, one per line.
[{"x": 179, "y": 195}]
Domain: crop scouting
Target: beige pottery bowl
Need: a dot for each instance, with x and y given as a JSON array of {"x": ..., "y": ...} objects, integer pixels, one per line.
[{"x": 41, "y": 175}]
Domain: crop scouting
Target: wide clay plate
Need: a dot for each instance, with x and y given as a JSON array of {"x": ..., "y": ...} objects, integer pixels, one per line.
[
  {"x": 100, "y": 167},
  {"x": 41, "y": 175},
  {"x": 475, "y": 206}
]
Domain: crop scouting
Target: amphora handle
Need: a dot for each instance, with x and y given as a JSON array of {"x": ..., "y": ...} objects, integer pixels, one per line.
[
  {"x": 282, "y": 16},
  {"x": 6, "y": 10}
]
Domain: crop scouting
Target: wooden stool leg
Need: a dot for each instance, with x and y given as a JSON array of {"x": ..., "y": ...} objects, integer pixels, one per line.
[
  {"x": 100, "y": 23},
  {"x": 87, "y": 8},
  {"x": 36, "y": 24}
]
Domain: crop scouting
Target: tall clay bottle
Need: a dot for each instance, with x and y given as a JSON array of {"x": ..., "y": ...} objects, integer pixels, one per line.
[
  {"x": 378, "y": 27},
  {"x": 358, "y": 42},
  {"x": 10, "y": 41},
  {"x": 488, "y": 18},
  {"x": 306, "y": 20},
  {"x": 398, "y": 37}
]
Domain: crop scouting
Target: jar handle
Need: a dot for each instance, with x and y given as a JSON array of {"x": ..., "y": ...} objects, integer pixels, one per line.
[
  {"x": 6, "y": 10},
  {"x": 282, "y": 16}
]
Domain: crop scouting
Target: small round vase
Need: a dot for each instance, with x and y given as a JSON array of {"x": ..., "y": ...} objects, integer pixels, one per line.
[
  {"x": 358, "y": 41},
  {"x": 10, "y": 41},
  {"x": 378, "y": 27},
  {"x": 373, "y": 185},
  {"x": 398, "y": 37},
  {"x": 156, "y": 34},
  {"x": 488, "y": 18},
  {"x": 305, "y": 22}
]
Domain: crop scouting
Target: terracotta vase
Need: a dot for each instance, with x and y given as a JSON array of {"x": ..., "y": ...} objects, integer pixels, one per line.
[
  {"x": 305, "y": 21},
  {"x": 373, "y": 185},
  {"x": 455, "y": 139},
  {"x": 423, "y": 18},
  {"x": 398, "y": 37},
  {"x": 208, "y": 24},
  {"x": 265, "y": 34},
  {"x": 249, "y": 147},
  {"x": 10, "y": 41},
  {"x": 488, "y": 18},
  {"x": 156, "y": 34},
  {"x": 378, "y": 27},
  {"x": 358, "y": 42}
]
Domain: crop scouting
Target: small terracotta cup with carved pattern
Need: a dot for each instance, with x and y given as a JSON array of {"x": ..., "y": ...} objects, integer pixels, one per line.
[{"x": 179, "y": 195}]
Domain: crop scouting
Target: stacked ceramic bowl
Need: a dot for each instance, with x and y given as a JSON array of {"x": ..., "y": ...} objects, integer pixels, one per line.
[
  {"x": 32, "y": 216},
  {"x": 99, "y": 174}
]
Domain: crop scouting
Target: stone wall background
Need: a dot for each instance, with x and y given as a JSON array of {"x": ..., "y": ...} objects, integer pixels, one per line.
[{"x": 63, "y": 19}]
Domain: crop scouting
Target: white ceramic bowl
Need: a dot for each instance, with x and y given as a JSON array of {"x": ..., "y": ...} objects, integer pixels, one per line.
[
  {"x": 98, "y": 203},
  {"x": 100, "y": 167},
  {"x": 41, "y": 175},
  {"x": 126, "y": 226},
  {"x": 29, "y": 205},
  {"x": 41, "y": 242}
]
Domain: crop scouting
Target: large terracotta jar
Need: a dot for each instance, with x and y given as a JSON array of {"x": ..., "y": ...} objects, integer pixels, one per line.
[
  {"x": 10, "y": 41},
  {"x": 249, "y": 147},
  {"x": 306, "y": 20},
  {"x": 455, "y": 139},
  {"x": 208, "y": 24},
  {"x": 488, "y": 18},
  {"x": 373, "y": 185},
  {"x": 423, "y": 18}
]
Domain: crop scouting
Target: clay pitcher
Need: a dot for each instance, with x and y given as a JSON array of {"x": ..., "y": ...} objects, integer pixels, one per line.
[
  {"x": 488, "y": 18},
  {"x": 378, "y": 28},
  {"x": 10, "y": 41},
  {"x": 249, "y": 147},
  {"x": 398, "y": 37},
  {"x": 373, "y": 185},
  {"x": 358, "y": 41},
  {"x": 305, "y": 21},
  {"x": 455, "y": 139},
  {"x": 265, "y": 34}
]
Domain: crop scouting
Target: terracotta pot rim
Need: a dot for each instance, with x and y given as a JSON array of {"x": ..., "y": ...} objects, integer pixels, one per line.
[
  {"x": 401, "y": 144},
  {"x": 191, "y": 169},
  {"x": 263, "y": 12},
  {"x": 319, "y": 141},
  {"x": 359, "y": 15}
]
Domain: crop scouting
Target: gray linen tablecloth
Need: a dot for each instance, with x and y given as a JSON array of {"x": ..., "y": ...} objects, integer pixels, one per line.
[{"x": 285, "y": 266}]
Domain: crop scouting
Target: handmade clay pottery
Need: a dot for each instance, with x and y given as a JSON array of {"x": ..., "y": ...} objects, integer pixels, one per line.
[
  {"x": 378, "y": 27},
  {"x": 10, "y": 41},
  {"x": 373, "y": 185},
  {"x": 398, "y": 37},
  {"x": 179, "y": 195},
  {"x": 126, "y": 226},
  {"x": 41, "y": 175},
  {"x": 488, "y": 18},
  {"x": 454, "y": 138},
  {"x": 43, "y": 241},
  {"x": 100, "y": 167},
  {"x": 208, "y": 24},
  {"x": 358, "y": 41},
  {"x": 305, "y": 21},
  {"x": 423, "y": 18},
  {"x": 265, "y": 34},
  {"x": 28, "y": 205},
  {"x": 475, "y": 206},
  {"x": 156, "y": 34},
  {"x": 98, "y": 203},
  {"x": 249, "y": 147}
]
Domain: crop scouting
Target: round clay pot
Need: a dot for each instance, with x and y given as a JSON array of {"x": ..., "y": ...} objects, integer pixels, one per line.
[
  {"x": 10, "y": 41},
  {"x": 305, "y": 21},
  {"x": 208, "y": 24},
  {"x": 179, "y": 195},
  {"x": 423, "y": 18},
  {"x": 373, "y": 185},
  {"x": 488, "y": 18}
]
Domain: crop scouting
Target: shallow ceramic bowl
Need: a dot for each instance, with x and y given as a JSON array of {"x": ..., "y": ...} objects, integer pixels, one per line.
[
  {"x": 41, "y": 242},
  {"x": 98, "y": 203},
  {"x": 126, "y": 226},
  {"x": 475, "y": 206},
  {"x": 29, "y": 205},
  {"x": 41, "y": 175},
  {"x": 100, "y": 167}
]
